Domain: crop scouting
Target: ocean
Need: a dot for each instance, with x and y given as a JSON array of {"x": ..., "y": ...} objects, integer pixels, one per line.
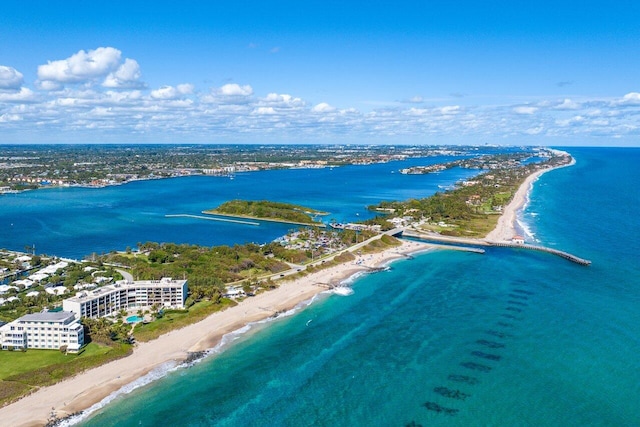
[{"x": 511, "y": 337}]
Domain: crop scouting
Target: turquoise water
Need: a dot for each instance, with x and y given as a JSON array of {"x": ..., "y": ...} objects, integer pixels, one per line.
[
  {"x": 507, "y": 338},
  {"x": 134, "y": 319}
]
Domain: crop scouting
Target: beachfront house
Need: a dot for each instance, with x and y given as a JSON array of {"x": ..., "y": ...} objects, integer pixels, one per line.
[
  {"x": 46, "y": 330},
  {"x": 125, "y": 295}
]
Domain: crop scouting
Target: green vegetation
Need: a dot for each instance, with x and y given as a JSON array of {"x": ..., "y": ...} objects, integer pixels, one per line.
[
  {"x": 68, "y": 277},
  {"x": 24, "y": 371},
  {"x": 379, "y": 245},
  {"x": 207, "y": 269},
  {"x": 267, "y": 210},
  {"x": 175, "y": 319},
  {"x": 472, "y": 209}
]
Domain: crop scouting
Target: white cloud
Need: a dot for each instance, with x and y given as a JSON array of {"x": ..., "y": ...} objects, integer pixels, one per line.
[
  {"x": 534, "y": 131},
  {"x": 282, "y": 102},
  {"x": 10, "y": 78},
  {"x": 81, "y": 66},
  {"x": 4, "y": 118},
  {"x": 48, "y": 85},
  {"x": 122, "y": 97},
  {"x": 323, "y": 107},
  {"x": 568, "y": 104},
  {"x": 264, "y": 111},
  {"x": 89, "y": 67},
  {"x": 417, "y": 111},
  {"x": 171, "y": 92},
  {"x": 632, "y": 98},
  {"x": 24, "y": 95},
  {"x": 573, "y": 121},
  {"x": 234, "y": 89},
  {"x": 450, "y": 109},
  {"x": 126, "y": 76},
  {"x": 525, "y": 109},
  {"x": 98, "y": 90}
]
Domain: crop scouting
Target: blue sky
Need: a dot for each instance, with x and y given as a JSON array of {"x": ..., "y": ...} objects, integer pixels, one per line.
[{"x": 433, "y": 72}]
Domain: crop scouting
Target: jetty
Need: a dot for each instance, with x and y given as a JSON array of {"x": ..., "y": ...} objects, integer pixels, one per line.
[
  {"x": 562, "y": 254},
  {"x": 451, "y": 240},
  {"x": 212, "y": 218}
]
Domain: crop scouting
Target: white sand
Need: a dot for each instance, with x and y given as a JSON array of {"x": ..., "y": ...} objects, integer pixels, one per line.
[
  {"x": 505, "y": 228},
  {"x": 84, "y": 390}
]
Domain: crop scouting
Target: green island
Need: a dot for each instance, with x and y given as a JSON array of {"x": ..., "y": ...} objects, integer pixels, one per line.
[{"x": 268, "y": 211}]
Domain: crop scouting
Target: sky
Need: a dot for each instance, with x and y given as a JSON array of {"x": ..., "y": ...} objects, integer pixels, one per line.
[{"x": 561, "y": 73}]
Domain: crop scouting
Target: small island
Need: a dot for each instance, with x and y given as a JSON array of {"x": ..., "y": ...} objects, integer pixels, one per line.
[{"x": 269, "y": 211}]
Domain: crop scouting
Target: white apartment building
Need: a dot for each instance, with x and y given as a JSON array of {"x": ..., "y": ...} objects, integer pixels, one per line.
[
  {"x": 126, "y": 295},
  {"x": 46, "y": 330}
]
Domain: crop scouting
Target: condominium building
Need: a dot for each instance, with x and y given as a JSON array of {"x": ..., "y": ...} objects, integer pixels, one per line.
[
  {"x": 125, "y": 295},
  {"x": 46, "y": 330}
]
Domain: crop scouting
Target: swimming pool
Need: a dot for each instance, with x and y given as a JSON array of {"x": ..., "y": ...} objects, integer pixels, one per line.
[{"x": 134, "y": 319}]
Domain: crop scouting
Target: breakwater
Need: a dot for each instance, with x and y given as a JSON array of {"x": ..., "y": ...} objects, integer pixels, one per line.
[
  {"x": 562, "y": 254},
  {"x": 478, "y": 242},
  {"x": 237, "y": 221},
  {"x": 281, "y": 221}
]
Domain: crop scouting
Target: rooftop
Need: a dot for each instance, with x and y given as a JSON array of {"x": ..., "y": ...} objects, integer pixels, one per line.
[
  {"x": 122, "y": 284},
  {"x": 47, "y": 316}
]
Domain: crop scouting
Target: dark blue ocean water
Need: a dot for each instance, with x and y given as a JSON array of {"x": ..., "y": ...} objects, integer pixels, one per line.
[
  {"x": 509, "y": 338},
  {"x": 75, "y": 222}
]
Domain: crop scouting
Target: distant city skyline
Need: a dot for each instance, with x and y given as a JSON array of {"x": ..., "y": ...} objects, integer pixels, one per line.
[{"x": 559, "y": 74}]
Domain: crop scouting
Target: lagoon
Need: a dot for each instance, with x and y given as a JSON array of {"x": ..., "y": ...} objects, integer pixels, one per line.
[{"x": 76, "y": 222}]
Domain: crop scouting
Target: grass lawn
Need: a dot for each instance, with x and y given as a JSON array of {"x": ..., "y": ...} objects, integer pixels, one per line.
[
  {"x": 175, "y": 319},
  {"x": 22, "y": 372},
  {"x": 17, "y": 362}
]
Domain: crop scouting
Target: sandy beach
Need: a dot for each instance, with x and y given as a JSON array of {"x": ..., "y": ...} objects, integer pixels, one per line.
[
  {"x": 505, "y": 228},
  {"x": 84, "y": 390}
]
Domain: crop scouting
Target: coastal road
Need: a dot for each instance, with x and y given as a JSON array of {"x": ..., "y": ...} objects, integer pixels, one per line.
[{"x": 125, "y": 274}]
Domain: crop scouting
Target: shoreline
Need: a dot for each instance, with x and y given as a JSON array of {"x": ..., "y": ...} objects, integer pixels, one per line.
[
  {"x": 505, "y": 229},
  {"x": 91, "y": 387}
]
